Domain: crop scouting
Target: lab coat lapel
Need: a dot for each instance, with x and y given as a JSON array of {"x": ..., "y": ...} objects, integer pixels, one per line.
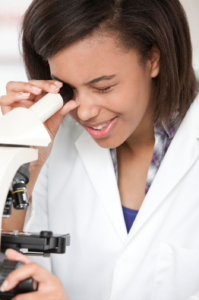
[
  {"x": 181, "y": 155},
  {"x": 99, "y": 166}
]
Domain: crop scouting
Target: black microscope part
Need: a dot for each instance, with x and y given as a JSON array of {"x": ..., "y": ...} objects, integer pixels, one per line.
[
  {"x": 20, "y": 197},
  {"x": 18, "y": 191},
  {"x": 41, "y": 243},
  {"x": 8, "y": 205},
  {"x": 23, "y": 174},
  {"x": 24, "y": 286},
  {"x": 66, "y": 92}
]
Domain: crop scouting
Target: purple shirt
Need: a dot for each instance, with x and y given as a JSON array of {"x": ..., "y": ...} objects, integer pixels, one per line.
[{"x": 129, "y": 217}]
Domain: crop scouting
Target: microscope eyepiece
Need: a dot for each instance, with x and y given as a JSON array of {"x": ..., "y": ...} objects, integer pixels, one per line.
[{"x": 66, "y": 92}]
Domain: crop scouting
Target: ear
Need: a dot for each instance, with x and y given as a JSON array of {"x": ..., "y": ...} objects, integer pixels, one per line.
[{"x": 154, "y": 61}]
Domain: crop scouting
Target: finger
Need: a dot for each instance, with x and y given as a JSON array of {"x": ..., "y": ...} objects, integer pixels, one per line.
[
  {"x": 15, "y": 255},
  {"x": 72, "y": 104},
  {"x": 50, "y": 86},
  {"x": 19, "y": 86},
  {"x": 5, "y": 109},
  {"x": 23, "y": 103},
  {"x": 14, "y": 97},
  {"x": 29, "y": 270},
  {"x": 26, "y": 104},
  {"x": 34, "y": 86}
]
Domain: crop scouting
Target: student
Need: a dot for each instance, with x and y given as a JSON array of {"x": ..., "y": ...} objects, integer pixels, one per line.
[{"x": 121, "y": 175}]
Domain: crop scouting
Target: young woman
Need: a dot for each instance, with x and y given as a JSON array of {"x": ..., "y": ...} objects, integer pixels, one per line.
[{"x": 121, "y": 175}]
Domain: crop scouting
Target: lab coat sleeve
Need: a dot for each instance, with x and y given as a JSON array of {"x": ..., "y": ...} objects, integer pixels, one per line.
[
  {"x": 37, "y": 213},
  {"x": 194, "y": 297}
]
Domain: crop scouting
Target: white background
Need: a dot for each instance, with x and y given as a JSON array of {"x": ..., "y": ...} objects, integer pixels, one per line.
[{"x": 11, "y": 12}]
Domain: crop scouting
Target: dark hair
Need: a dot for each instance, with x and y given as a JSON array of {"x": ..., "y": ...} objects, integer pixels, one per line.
[{"x": 49, "y": 26}]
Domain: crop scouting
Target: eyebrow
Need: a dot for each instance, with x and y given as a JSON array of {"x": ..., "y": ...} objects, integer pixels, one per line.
[{"x": 101, "y": 78}]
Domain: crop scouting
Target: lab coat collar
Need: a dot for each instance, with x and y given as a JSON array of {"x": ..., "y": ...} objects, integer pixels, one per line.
[
  {"x": 181, "y": 155},
  {"x": 99, "y": 166}
]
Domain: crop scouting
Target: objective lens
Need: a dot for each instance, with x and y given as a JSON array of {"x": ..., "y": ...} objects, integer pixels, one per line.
[{"x": 20, "y": 197}]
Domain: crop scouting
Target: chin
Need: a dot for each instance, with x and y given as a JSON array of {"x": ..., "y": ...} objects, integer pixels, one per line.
[{"x": 108, "y": 142}]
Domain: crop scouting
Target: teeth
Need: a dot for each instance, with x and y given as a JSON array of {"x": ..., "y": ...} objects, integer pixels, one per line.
[{"x": 100, "y": 127}]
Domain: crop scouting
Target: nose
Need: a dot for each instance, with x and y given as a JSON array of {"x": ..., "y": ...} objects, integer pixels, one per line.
[{"x": 87, "y": 109}]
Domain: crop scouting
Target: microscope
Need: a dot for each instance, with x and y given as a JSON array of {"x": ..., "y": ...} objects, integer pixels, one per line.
[{"x": 20, "y": 129}]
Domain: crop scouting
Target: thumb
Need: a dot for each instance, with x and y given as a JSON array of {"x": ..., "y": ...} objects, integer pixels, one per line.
[
  {"x": 72, "y": 104},
  {"x": 53, "y": 123}
]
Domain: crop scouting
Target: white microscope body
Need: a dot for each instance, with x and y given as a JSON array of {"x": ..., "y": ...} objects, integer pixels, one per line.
[{"x": 20, "y": 129}]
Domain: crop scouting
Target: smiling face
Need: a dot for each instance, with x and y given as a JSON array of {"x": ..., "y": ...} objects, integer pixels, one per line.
[{"x": 114, "y": 89}]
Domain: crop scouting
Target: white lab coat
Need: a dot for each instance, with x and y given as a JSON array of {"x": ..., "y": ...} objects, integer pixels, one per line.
[{"x": 77, "y": 193}]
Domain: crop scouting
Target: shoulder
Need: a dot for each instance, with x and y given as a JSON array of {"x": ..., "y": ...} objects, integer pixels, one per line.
[
  {"x": 190, "y": 122},
  {"x": 193, "y": 116}
]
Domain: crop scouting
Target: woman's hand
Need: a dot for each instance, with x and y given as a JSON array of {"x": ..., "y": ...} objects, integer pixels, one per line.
[
  {"x": 25, "y": 94},
  {"x": 49, "y": 286}
]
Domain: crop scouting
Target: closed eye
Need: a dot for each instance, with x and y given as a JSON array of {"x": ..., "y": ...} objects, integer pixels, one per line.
[{"x": 104, "y": 90}]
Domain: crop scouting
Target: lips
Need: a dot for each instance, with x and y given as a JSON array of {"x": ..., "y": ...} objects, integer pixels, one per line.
[
  {"x": 101, "y": 130},
  {"x": 94, "y": 125}
]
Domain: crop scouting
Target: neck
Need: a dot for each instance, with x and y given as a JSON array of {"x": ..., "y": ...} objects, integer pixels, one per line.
[{"x": 142, "y": 138}]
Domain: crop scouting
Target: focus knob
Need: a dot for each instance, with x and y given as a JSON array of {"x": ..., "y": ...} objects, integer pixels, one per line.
[{"x": 24, "y": 286}]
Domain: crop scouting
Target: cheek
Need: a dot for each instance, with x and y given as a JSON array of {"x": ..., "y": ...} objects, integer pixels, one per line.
[
  {"x": 73, "y": 114},
  {"x": 132, "y": 98}
]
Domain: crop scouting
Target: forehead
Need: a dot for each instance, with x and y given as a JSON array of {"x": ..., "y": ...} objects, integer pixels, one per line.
[{"x": 91, "y": 57}]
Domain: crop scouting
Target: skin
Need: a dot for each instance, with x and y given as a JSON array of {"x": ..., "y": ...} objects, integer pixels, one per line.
[{"x": 126, "y": 94}]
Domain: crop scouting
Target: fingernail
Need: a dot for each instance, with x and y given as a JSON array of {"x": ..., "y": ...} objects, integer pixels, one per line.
[
  {"x": 8, "y": 251},
  {"x": 58, "y": 84},
  {"x": 36, "y": 89},
  {"x": 24, "y": 95},
  {"x": 54, "y": 87},
  {"x": 77, "y": 101},
  {"x": 4, "y": 286}
]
